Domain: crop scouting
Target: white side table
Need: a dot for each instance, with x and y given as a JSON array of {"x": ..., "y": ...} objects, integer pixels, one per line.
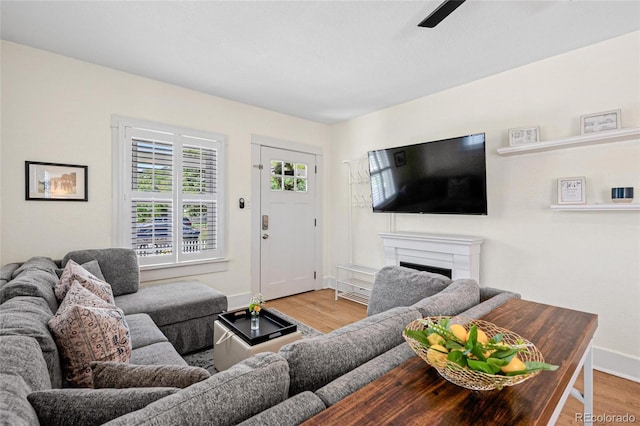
[{"x": 229, "y": 349}]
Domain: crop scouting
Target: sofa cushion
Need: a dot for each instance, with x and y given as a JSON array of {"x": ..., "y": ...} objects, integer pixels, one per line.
[
  {"x": 161, "y": 353},
  {"x": 143, "y": 331},
  {"x": 460, "y": 295},
  {"x": 120, "y": 375},
  {"x": 76, "y": 273},
  {"x": 317, "y": 361},
  {"x": 14, "y": 406},
  {"x": 364, "y": 374},
  {"x": 118, "y": 265},
  {"x": 6, "y": 272},
  {"x": 93, "y": 267},
  {"x": 95, "y": 331},
  {"x": 191, "y": 335},
  {"x": 291, "y": 412},
  {"x": 32, "y": 283},
  {"x": 174, "y": 302},
  {"x": 28, "y": 316},
  {"x": 226, "y": 398},
  {"x": 21, "y": 356},
  {"x": 399, "y": 286},
  {"x": 37, "y": 263},
  {"x": 89, "y": 407}
]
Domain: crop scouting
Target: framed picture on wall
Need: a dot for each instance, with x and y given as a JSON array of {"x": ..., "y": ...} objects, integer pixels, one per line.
[
  {"x": 55, "y": 182},
  {"x": 524, "y": 135},
  {"x": 572, "y": 190},
  {"x": 600, "y": 122}
]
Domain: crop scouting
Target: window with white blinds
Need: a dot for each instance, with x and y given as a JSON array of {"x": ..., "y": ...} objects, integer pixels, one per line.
[{"x": 170, "y": 200}]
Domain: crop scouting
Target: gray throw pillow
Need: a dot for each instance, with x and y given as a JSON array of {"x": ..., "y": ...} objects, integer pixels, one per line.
[
  {"x": 121, "y": 375},
  {"x": 399, "y": 286},
  {"x": 92, "y": 266},
  {"x": 89, "y": 407}
]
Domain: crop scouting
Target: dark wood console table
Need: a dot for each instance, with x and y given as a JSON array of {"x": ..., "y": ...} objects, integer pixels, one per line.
[{"x": 415, "y": 394}]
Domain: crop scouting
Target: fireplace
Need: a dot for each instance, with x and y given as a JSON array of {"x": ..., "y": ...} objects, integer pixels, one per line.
[
  {"x": 442, "y": 271},
  {"x": 459, "y": 254}
]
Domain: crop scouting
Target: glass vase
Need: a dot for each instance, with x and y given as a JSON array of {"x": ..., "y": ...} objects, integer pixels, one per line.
[{"x": 255, "y": 320}]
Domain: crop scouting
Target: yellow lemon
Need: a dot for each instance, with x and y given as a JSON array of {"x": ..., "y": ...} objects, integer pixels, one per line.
[
  {"x": 514, "y": 365},
  {"x": 459, "y": 331},
  {"x": 482, "y": 338},
  {"x": 435, "y": 339},
  {"x": 437, "y": 354}
]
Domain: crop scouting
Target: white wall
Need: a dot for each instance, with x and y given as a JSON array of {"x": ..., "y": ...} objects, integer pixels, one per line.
[
  {"x": 584, "y": 261},
  {"x": 57, "y": 109}
]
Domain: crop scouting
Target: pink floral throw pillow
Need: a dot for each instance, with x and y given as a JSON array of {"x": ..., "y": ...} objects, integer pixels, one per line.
[
  {"x": 74, "y": 272},
  {"x": 88, "y": 329}
]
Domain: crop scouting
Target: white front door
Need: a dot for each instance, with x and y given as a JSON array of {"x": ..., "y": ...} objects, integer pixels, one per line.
[{"x": 287, "y": 222}]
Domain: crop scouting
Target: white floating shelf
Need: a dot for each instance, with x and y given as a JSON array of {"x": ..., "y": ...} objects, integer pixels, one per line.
[
  {"x": 573, "y": 141},
  {"x": 596, "y": 207}
]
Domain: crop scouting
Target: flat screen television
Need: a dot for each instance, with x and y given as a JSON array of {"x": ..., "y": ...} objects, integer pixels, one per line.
[{"x": 446, "y": 176}]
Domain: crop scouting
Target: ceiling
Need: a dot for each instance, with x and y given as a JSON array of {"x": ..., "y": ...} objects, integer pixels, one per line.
[{"x": 326, "y": 61}]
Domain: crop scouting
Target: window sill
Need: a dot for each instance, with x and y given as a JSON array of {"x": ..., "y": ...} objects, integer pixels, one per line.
[{"x": 179, "y": 270}]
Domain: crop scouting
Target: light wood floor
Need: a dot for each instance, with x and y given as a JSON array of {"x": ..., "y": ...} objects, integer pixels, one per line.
[{"x": 318, "y": 309}]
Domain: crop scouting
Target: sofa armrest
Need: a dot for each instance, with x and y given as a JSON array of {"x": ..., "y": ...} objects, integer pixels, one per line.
[
  {"x": 459, "y": 295},
  {"x": 489, "y": 304}
]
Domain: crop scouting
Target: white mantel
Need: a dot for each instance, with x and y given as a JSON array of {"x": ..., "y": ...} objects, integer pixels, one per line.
[{"x": 460, "y": 253}]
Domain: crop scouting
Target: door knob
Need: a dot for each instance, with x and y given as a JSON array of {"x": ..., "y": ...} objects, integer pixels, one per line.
[{"x": 265, "y": 236}]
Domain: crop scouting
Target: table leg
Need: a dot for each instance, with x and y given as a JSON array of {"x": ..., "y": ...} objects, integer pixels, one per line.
[
  {"x": 585, "y": 397},
  {"x": 588, "y": 386}
]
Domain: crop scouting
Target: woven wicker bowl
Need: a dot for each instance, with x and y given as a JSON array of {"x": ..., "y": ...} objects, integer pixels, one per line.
[{"x": 467, "y": 378}]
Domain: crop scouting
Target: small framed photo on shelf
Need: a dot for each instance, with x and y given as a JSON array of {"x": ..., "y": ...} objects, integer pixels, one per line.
[
  {"x": 524, "y": 135},
  {"x": 55, "y": 182},
  {"x": 600, "y": 122},
  {"x": 572, "y": 190}
]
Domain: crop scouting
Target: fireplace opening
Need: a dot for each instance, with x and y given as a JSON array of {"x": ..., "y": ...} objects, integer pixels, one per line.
[{"x": 433, "y": 269}]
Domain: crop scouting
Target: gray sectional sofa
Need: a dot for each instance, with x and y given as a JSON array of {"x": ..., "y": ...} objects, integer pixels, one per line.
[
  {"x": 283, "y": 388},
  {"x": 164, "y": 322}
]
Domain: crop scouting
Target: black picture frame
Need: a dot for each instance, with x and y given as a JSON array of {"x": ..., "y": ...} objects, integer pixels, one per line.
[
  {"x": 55, "y": 182},
  {"x": 400, "y": 158}
]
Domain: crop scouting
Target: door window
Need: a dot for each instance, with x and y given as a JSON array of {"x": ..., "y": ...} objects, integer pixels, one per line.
[{"x": 288, "y": 176}]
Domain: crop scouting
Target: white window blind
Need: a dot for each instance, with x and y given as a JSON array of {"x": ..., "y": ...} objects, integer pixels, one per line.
[{"x": 171, "y": 193}]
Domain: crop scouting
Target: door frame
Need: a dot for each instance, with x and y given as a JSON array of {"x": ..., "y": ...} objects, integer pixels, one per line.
[{"x": 257, "y": 142}]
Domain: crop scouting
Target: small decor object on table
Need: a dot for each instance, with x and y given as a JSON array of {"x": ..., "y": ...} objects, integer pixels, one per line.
[
  {"x": 524, "y": 135},
  {"x": 255, "y": 306},
  {"x": 600, "y": 122},
  {"x": 572, "y": 190},
  {"x": 474, "y": 354}
]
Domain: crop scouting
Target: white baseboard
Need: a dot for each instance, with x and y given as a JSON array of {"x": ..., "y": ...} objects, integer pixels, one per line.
[
  {"x": 617, "y": 364},
  {"x": 329, "y": 282}
]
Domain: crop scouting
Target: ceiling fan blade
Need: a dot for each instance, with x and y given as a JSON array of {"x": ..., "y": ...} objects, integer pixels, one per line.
[{"x": 440, "y": 13}]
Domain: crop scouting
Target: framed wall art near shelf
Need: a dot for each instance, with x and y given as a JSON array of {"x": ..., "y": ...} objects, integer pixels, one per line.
[
  {"x": 524, "y": 135},
  {"x": 55, "y": 182},
  {"x": 601, "y": 122},
  {"x": 572, "y": 190}
]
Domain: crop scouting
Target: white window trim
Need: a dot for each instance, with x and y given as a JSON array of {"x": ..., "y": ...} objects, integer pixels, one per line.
[{"x": 122, "y": 202}]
